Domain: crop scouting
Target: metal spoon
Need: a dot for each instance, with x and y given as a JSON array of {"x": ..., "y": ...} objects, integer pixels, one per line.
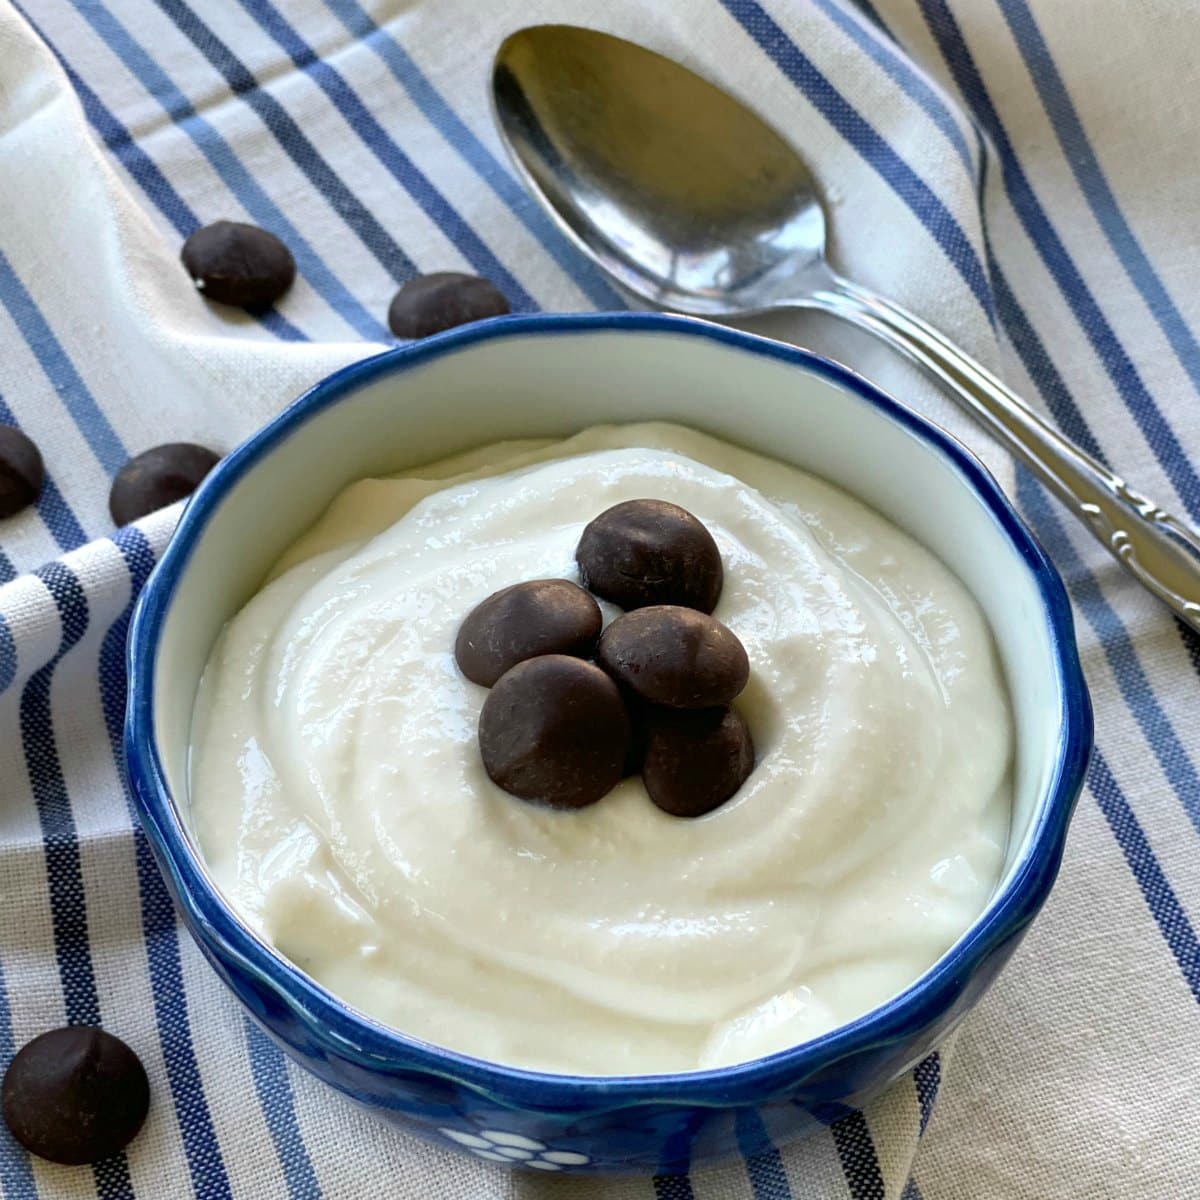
[{"x": 691, "y": 201}]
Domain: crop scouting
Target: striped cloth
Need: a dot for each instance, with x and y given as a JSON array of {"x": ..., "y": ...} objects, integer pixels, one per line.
[{"x": 1005, "y": 167}]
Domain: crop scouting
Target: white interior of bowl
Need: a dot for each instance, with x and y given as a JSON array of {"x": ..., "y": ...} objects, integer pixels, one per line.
[{"x": 547, "y": 385}]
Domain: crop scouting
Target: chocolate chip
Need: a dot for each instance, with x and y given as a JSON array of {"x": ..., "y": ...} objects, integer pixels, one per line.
[
  {"x": 696, "y": 760},
  {"x": 239, "y": 264},
  {"x": 158, "y": 477},
  {"x": 554, "y": 730},
  {"x": 645, "y": 552},
  {"x": 430, "y": 303},
  {"x": 21, "y": 471},
  {"x": 676, "y": 657},
  {"x": 542, "y": 616},
  {"x": 75, "y": 1095}
]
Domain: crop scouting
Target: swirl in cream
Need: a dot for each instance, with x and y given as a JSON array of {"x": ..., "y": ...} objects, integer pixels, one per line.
[{"x": 339, "y": 799}]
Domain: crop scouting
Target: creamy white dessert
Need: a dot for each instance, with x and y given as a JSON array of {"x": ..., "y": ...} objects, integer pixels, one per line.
[{"x": 339, "y": 799}]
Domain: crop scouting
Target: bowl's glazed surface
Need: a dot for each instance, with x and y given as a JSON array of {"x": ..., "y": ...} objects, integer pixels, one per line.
[{"x": 548, "y": 376}]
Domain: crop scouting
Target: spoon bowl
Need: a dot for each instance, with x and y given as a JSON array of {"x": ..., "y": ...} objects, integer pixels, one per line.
[
  {"x": 685, "y": 196},
  {"x": 691, "y": 201}
]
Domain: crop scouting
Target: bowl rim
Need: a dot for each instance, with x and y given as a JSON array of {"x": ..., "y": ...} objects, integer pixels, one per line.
[{"x": 346, "y": 1031}]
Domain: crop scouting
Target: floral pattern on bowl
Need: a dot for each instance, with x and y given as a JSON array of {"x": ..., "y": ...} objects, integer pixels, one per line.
[{"x": 515, "y": 1150}]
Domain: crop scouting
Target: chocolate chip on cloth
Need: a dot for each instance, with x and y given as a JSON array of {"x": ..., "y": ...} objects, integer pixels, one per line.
[
  {"x": 676, "y": 657},
  {"x": 645, "y": 552},
  {"x": 695, "y": 761},
  {"x": 75, "y": 1095},
  {"x": 554, "y": 730},
  {"x": 431, "y": 303},
  {"x": 158, "y": 477},
  {"x": 541, "y": 616},
  {"x": 21, "y": 471},
  {"x": 239, "y": 264}
]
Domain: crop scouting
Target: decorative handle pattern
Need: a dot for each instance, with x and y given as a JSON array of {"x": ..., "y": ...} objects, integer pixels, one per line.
[{"x": 1158, "y": 549}]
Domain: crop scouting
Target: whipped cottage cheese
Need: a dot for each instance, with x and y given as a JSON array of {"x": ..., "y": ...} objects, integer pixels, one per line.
[{"x": 339, "y": 798}]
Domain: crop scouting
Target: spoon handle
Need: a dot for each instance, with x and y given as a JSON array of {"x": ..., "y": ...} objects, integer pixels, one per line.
[{"x": 1158, "y": 549}]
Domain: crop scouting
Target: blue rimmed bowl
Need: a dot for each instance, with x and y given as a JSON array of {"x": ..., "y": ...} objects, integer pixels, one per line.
[{"x": 550, "y": 376}]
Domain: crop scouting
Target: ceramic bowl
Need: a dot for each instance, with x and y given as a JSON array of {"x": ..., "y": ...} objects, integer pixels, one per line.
[{"x": 550, "y": 376}]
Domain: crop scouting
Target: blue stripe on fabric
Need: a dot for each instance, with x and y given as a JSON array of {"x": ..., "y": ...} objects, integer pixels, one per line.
[
  {"x": 1040, "y": 367},
  {"x": 159, "y": 190},
  {"x": 1160, "y": 899},
  {"x": 673, "y": 1187},
  {"x": 64, "y": 873},
  {"x": 244, "y": 187},
  {"x": 8, "y": 654},
  {"x": 210, "y": 1181},
  {"x": 60, "y": 371},
  {"x": 1191, "y": 643},
  {"x": 764, "y": 1167},
  {"x": 116, "y": 137},
  {"x": 914, "y": 84},
  {"x": 293, "y": 141},
  {"x": 140, "y": 166},
  {"x": 60, "y": 844},
  {"x": 7, "y": 573},
  {"x": 911, "y": 1191},
  {"x": 144, "y": 171},
  {"x": 1120, "y": 369},
  {"x": 1077, "y": 150},
  {"x": 856, "y": 1152},
  {"x": 459, "y": 137},
  {"x": 56, "y": 514},
  {"x": 921, "y": 200},
  {"x": 927, "y": 1078},
  {"x": 16, "y": 1171},
  {"x": 274, "y": 1090},
  {"x": 62, "y": 523},
  {"x": 387, "y": 151}
]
